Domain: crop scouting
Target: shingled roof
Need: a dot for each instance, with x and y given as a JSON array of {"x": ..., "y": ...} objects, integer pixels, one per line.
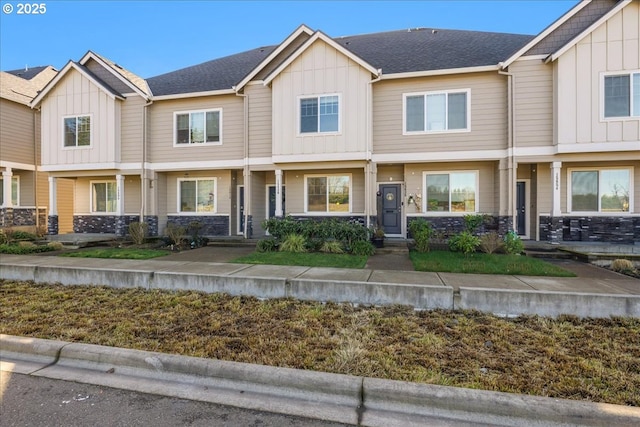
[
  {"x": 402, "y": 51},
  {"x": 23, "y": 85}
]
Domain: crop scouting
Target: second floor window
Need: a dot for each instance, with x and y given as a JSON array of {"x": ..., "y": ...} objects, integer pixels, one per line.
[
  {"x": 77, "y": 131},
  {"x": 198, "y": 127},
  {"x": 622, "y": 95},
  {"x": 320, "y": 114},
  {"x": 436, "y": 111}
]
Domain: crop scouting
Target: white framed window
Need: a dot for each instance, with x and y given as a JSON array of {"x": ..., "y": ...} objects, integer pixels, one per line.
[
  {"x": 76, "y": 131},
  {"x": 621, "y": 95},
  {"x": 450, "y": 192},
  {"x": 15, "y": 191},
  {"x": 319, "y": 114},
  {"x": 104, "y": 196},
  {"x": 197, "y": 195},
  {"x": 327, "y": 193},
  {"x": 444, "y": 111},
  {"x": 604, "y": 190},
  {"x": 197, "y": 127}
]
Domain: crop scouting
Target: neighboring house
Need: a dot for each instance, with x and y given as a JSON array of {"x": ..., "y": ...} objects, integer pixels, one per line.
[
  {"x": 382, "y": 128},
  {"x": 23, "y": 188}
]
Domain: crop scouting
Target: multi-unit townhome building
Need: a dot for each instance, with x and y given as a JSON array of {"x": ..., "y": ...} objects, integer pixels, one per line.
[
  {"x": 23, "y": 188},
  {"x": 539, "y": 133}
]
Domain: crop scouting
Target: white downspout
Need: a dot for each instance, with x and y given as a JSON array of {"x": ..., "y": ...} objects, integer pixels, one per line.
[
  {"x": 143, "y": 175},
  {"x": 511, "y": 142},
  {"x": 369, "y": 150},
  {"x": 245, "y": 169}
]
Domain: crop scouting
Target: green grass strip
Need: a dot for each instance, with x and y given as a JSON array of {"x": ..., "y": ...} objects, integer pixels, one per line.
[
  {"x": 117, "y": 253},
  {"x": 304, "y": 259}
]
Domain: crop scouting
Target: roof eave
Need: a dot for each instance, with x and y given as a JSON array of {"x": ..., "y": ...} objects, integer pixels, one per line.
[
  {"x": 447, "y": 71},
  {"x": 194, "y": 94}
]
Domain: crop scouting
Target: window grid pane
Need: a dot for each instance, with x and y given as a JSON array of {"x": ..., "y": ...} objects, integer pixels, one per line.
[
  {"x": 614, "y": 190},
  {"x": 436, "y": 112},
  {"x": 111, "y": 201},
  {"x": 197, "y": 128},
  {"x": 457, "y": 111},
  {"x": 213, "y": 126},
  {"x": 463, "y": 192},
  {"x": 206, "y": 195},
  {"x": 309, "y": 115},
  {"x": 584, "y": 191},
  {"x": 14, "y": 191},
  {"x": 329, "y": 110},
  {"x": 616, "y": 96},
  {"x": 437, "y": 193},
  {"x": 84, "y": 131},
  {"x": 317, "y": 194},
  {"x": 182, "y": 129},
  {"x": 187, "y": 196},
  {"x": 636, "y": 95},
  {"x": 70, "y": 132},
  {"x": 415, "y": 113},
  {"x": 338, "y": 193}
]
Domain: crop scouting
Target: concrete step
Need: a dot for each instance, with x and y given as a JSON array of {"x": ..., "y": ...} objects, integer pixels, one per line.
[{"x": 548, "y": 254}]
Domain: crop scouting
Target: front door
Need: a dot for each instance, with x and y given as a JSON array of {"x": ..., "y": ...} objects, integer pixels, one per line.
[
  {"x": 241, "y": 209},
  {"x": 271, "y": 194},
  {"x": 521, "y": 206},
  {"x": 391, "y": 208}
]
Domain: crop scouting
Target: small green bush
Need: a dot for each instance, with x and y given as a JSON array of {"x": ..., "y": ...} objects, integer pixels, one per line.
[
  {"x": 174, "y": 233},
  {"x": 512, "y": 243},
  {"x": 23, "y": 235},
  {"x": 363, "y": 247},
  {"x": 55, "y": 246},
  {"x": 331, "y": 247},
  {"x": 267, "y": 245},
  {"x": 490, "y": 242},
  {"x": 294, "y": 243},
  {"x": 24, "y": 248},
  {"x": 3, "y": 237},
  {"x": 464, "y": 242},
  {"x": 473, "y": 221},
  {"x": 421, "y": 231},
  {"x": 622, "y": 265},
  {"x": 138, "y": 232}
]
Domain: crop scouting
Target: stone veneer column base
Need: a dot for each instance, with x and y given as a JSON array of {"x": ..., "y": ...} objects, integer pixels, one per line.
[
  {"x": 52, "y": 224},
  {"x": 152, "y": 224}
]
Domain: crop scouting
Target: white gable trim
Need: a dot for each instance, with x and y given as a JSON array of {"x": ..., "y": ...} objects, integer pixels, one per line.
[
  {"x": 194, "y": 94},
  {"x": 70, "y": 65},
  {"x": 301, "y": 29},
  {"x": 480, "y": 69},
  {"x": 91, "y": 55},
  {"x": 551, "y": 28},
  {"x": 318, "y": 35},
  {"x": 588, "y": 31}
]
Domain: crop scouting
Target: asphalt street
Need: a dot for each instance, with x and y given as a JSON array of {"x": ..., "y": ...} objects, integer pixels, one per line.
[{"x": 37, "y": 401}]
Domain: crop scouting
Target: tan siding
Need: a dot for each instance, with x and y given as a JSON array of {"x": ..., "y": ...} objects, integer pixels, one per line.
[
  {"x": 320, "y": 70},
  {"x": 258, "y": 201},
  {"x": 76, "y": 95},
  {"x": 65, "y": 203},
  {"x": 260, "y": 111},
  {"x": 161, "y": 128},
  {"x": 295, "y": 181},
  {"x": 162, "y": 192},
  {"x": 27, "y": 195},
  {"x": 488, "y": 115},
  {"x": 132, "y": 197},
  {"x": 16, "y": 132},
  {"x": 132, "y": 124}
]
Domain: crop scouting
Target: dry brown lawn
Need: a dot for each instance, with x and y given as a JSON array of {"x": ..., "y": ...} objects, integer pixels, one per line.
[{"x": 591, "y": 359}]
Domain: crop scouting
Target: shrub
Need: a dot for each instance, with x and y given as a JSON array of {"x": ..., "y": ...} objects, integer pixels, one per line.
[
  {"x": 421, "y": 232},
  {"x": 9, "y": 234},
  {"x": 363, "y": 247},
  {"x": 346, "y": 232},
  {"x": 512, "y": 243},
  {"x": 27, "y": 245},
  {"x": 174, "y": 233},
  {"x": 23, "y": 235},
  {"x": 55, "y": 246},
  {"x": 23, "y": 248},
  {"x": 490, "y": 242},
  {"x": 3, "y": 237},
  {"x": 282, "y": 227},
  {"x": 622, "y": 265},
  {"x": 473, "y": 221},
  {"x": 464, "y": 242},
  {"x": 294, "y": 243},
  {"x": 331, "y": 247},
  {"x": 138, "y": 232},
  {"x": 267, "y": 245},
  {"x": 197, "y": 240}
]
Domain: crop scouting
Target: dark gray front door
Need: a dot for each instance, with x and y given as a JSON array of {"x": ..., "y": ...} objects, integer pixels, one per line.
[
  {"x": 241, "y": 210},
  {"x": 391, "y": 208},
  {"x": 272, "y": 201},
  {"x": 521, "y": 206}
]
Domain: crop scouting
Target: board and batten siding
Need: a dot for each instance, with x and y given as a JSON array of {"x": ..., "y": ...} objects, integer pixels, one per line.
[
  {"x": 320, "y": 70},
  {"x": 613, "y": 46},
  {"x": 488, "y": 113},
  {"x": 260, "y": 111},
  {"x": 533, "y": 103},
  {"x": 161, "y": 124},
  {"x": 76, "y": 95},
  {"x": 16, "y": 132},
  {"x": 132, "y": 129}
]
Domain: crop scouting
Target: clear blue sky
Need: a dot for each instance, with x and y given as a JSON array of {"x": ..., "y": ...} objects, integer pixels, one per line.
[{"x": 154, "y": 37}]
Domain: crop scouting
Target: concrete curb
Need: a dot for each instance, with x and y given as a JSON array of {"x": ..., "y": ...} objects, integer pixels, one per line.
[{"x": 339, "y": 398}]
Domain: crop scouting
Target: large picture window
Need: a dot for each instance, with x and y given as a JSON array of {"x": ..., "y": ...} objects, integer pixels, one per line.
[
  {"x": 330, "y": 193},
  {"x": 436, "y": 111},
  {"x": 104, "y": 196},
  {"x": 77, "y": 131},
  {"x": 604, "y": 190},
  {"x": 320, "y": 114},
  {"x": 197, "y": 195},
  {"x": 15, "y": 193},
  {"x": 622, "y": 95},
  {"x": 198, "y": 127},
  {"x": 451, "y": 192}
]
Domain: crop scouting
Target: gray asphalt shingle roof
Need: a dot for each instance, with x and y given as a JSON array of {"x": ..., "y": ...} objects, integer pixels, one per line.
[
  {"x": 29, "y": 73},
  {"x": 393, "y": 52}
]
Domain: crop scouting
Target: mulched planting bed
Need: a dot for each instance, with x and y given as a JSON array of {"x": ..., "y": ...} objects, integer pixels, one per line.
[{"x": 590, "y": 359}]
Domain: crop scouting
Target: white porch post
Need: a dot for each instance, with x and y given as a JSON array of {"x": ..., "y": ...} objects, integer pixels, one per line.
[
  {"x": 119, "y": 195},
  {"x": 555, "y": 182},
  {"x": 7, "y": 177},
  {"x": 53, "y": 196},
  {"x": 279, "y": 193}
]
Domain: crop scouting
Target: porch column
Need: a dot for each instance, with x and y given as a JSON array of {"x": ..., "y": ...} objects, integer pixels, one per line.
[
  {"x": 279, "y": 212},
  {"x": 367, "y": 194},
  {"x": 555, "y": 221},
  {"x": 506, "y": 209},
  {"x": 120, "y": 226},
  {"x": 248, "y": 217},
  {"x": 7, "y": 178},
  {"x": 52, "y": 219}
]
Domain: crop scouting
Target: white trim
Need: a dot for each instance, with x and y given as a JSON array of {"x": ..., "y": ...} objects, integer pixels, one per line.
[
  {"x": 439, "y": 156},
  {"x": 318, "y": 35},
  {"x": 99, "y": 60},
  {"x": 77, "y": 147},
  {"x": 296, "y": 33},
  {"x": 327, "y": 175},
  {"x": 198, "y": 165},
  {"x": 78, "y": 167},
  {"x": 601, "y": 77},
  {"x": 425, "y": 212},
  {"x": 327, "y": 157},
  {"x": 254, "y": 161},
  {"x": 194, "y": 94},
  {"x": 555, "y": 55},
  {"x": 238, "y": 214},
  {"x": 551, "y": 28},
  {"x": 532, "y": 58},
  {"x": 527, "y": 201},
  {"x": 631, "y": 171},
  {"x": 429, "y": 73},
  {"x": 597, "y": 147},
  {"x": 189, "y": 113},
  {"x": 103, "y": 181},
  {"x": 196, "y": 179},
  {"x": 299, "y": 98},
  {"x": 466, "y": 91},
  {"x": 14, "y": 165}
]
